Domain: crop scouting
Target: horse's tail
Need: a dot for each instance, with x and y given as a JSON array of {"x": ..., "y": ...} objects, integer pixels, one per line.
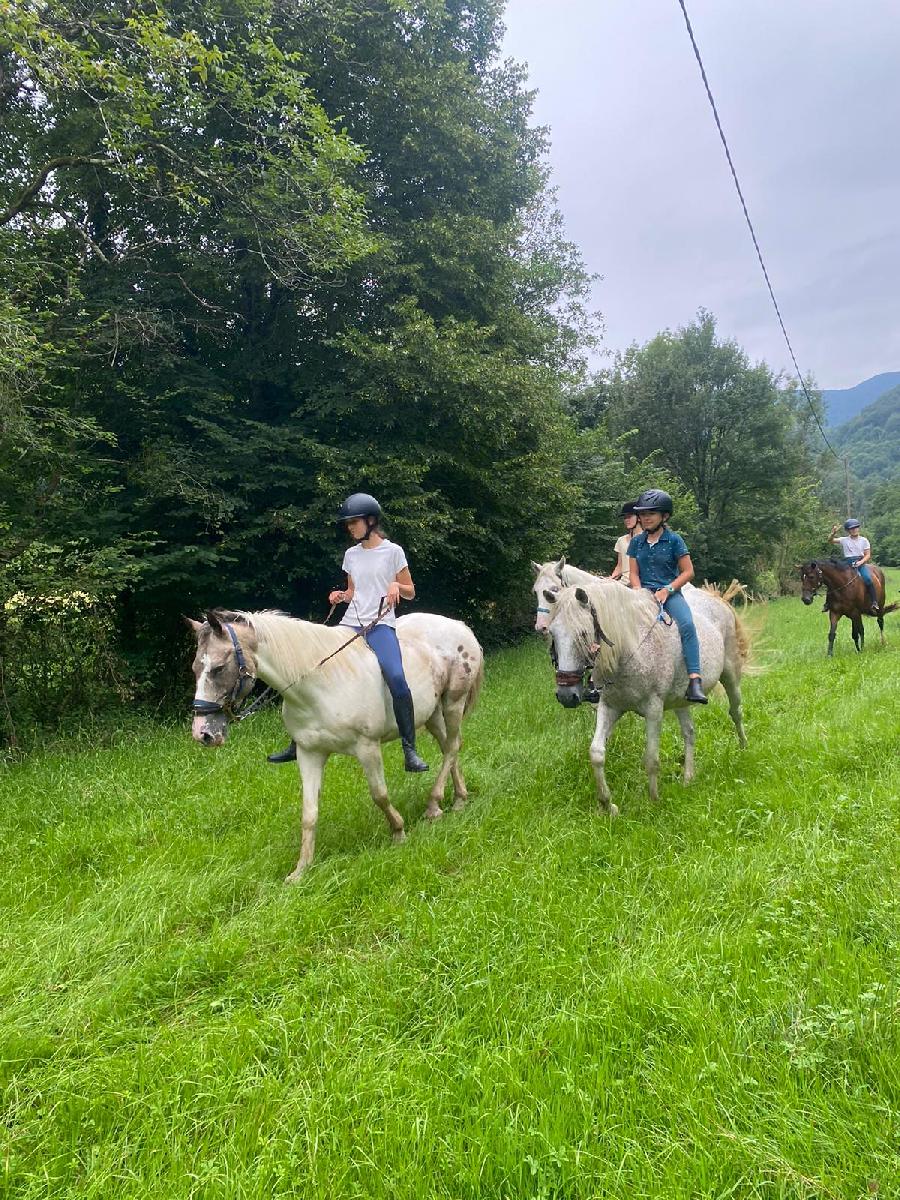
[
  {"x": 475, "y": 688},
  {"x": 744, "y": 639},
  {"x": 890, "y": 608}
]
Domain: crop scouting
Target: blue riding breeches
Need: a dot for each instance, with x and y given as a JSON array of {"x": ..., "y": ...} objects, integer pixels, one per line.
[
  {"x": 677, "y": 608},
  {"x": 383, "y": 642},
  {"x": 864, "y": 572}
]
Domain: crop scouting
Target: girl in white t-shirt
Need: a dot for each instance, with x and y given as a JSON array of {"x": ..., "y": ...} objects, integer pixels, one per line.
[
  {"x": 858, "y": 553},
  {"x": 622, "y": 569},
  {"x": 377, "y": 577}
]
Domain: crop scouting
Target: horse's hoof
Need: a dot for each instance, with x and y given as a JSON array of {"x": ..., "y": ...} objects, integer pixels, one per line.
[
  {"x": 398, "y": 837},
  {"x": 295, "y": 876},
  {"x": 459, "y": 803},
  {"x": 613, "y": 810},
  {"x": 433, "y": 813}
]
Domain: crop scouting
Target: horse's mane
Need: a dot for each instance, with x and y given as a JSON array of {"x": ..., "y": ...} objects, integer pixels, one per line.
[
  {"x": 296, "y": 646},
  {"x": 624, "y": 616},
  {"x": 832, "y": 562}
]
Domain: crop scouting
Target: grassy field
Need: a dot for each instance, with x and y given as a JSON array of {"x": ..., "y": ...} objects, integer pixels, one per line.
[{"x": 525, "y": 1000}]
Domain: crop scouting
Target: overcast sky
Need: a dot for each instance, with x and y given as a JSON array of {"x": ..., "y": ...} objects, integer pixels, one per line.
[{"x": 809, "y": 96}]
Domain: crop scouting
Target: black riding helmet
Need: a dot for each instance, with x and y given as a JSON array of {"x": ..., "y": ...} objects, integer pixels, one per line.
[
  {"x": 627, "y": 509},
  {"x": 654, "y": 500},
  {"x": 360, "y": 504}
]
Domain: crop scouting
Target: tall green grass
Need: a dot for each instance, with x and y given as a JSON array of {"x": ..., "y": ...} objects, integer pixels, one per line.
[{"x": 525, "y": 1000}]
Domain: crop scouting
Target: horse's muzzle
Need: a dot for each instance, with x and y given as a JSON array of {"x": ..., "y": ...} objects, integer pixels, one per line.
[
  {"x": 807, "y": 599},
  {"x": 210, "y": 730},
  {"x": 569, "y": 697}
]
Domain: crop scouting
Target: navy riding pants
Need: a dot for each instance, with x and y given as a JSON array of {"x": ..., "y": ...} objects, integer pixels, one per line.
[
  {"x": 383, "y": 642},
  {"x": 677, "y": 608}
]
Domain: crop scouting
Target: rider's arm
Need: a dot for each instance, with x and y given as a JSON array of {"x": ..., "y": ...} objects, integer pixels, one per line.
[
  {"x": 834, "y": 537},
  {"x": 685, "y": 575},
  {"x": 342, "y": 597},
  {"x": 405, "y": 584},
  {"x": 867, "y": 557},
  {"x": 634, "y": 574},
  {"x": 686, "y": 569}
]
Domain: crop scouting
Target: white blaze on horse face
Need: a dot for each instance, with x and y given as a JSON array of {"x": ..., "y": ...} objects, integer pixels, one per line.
[
  {"x": 209, "y": 728},
  {"x": 546, "y": 581}
]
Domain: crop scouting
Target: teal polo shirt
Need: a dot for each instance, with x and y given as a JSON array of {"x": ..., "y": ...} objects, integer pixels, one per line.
[{"x": 658, "y": 562}]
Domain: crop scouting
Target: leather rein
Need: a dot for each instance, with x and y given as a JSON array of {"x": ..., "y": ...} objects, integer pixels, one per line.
[{"x": 235, "y": 706}]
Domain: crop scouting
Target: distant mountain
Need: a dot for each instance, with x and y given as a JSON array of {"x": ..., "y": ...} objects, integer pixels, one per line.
[
  {"x": 872, "y": 438},
  {"x": 841, "y": 404}
]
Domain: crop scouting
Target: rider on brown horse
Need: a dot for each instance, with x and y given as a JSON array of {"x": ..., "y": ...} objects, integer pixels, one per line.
[{"x": 857, "y": 553}]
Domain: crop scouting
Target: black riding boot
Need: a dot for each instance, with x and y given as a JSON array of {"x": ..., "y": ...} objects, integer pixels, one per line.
[
  {"x": 406, "y": 723},
  {"x": 694, "y": 692},
  {"x": 874, "y": 607},
  {"x": 282, "y": 756}
]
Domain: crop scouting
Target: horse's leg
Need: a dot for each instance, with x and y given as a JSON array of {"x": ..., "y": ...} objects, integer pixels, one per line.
[
  {"x": 453, "y": 711},
  {"x": 833, "y": 618},
  {"x": 687, "y": 732},
  {"x": 653, "y": 719},
  {"x": 437, "y": 727},
  {"x": 881, "y": 627},
  {"x": 856, "y": 632},
  {"x": 310, "y": 765},
  {"x": 731, "y": 682},
  {"x": 369, "y": 755},
  {"x": 606, "y": 719}
]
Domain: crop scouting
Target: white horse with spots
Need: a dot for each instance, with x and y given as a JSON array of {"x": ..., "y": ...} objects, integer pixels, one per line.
[
  {"x": 339, "y": 706},
  {"x": 551, "y": 576},
  {"x": 636, "y": 662}
]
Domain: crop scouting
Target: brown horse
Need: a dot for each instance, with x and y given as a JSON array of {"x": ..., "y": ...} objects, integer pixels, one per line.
[{"x": 845, "y": 596}]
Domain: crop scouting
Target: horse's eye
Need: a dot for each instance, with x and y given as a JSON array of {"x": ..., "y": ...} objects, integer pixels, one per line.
[{"x": 217, "y": 670}]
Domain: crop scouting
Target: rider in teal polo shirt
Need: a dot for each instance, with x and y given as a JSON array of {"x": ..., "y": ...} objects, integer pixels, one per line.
[{"x": 661, "y": 563}]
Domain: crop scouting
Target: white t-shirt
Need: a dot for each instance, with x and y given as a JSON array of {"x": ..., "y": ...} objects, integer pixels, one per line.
[
  {"x": 372, "y": 571},
  {"x": 621, "y": 549},
  {"x": 854, "y": 547}
]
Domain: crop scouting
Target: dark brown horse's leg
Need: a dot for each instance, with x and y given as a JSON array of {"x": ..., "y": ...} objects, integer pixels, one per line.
[
  {"x": 881, "y": 627},
  {"x": 859, "y": 634},
  {"x": 833, "y": 618}
]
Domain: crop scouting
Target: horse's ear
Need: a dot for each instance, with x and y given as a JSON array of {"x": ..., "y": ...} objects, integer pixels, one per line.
[
  {"x": 550, "y": 596},
  {"x": 195, "y": 625},
  {"x": 560, "y": 566},
  {"x": 536, "y": 567},
  {"x": 213, "y": 619},
  {"x": 582, "y": 597}
]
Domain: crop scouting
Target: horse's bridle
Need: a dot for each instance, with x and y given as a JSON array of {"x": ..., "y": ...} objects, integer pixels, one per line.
[
  {"x": 233, "y": 704},
  {"x": 575, "y": 678}
]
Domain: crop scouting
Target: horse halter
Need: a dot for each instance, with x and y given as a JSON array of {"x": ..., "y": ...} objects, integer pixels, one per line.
[
  {"x": 574, "y": 678},
  {"x": 231, "y": 706}
]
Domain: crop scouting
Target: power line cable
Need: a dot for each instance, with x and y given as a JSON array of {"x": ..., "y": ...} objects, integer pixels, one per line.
[{"x": 740, "y": 193}]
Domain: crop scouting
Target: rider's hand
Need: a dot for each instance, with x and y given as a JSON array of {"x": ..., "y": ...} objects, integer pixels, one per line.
[
  {"x": 392, "y": 599},
  {"x": 337, "y": 597},
  {"x": 834, "y": 530},
  {"x": 661, "y": 596}
]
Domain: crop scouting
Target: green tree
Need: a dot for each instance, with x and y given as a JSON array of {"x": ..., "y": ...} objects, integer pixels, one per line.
[{"x": 733, "y": 439}]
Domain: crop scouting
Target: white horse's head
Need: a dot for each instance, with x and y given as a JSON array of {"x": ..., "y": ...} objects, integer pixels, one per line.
[
  {"x": 548, "y": 578},
  {"x": 575, "y": 637},
  {"x": 225, "y": 671}
]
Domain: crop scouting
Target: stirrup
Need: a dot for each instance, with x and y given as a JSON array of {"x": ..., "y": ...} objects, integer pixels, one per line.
[{"x": 283, "y": 756}]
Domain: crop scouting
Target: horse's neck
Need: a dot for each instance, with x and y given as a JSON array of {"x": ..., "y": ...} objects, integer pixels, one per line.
[
  {"x": 574, "y": 575},
  {"x": 288, "y": 648},
  {"x": 624, "y": 616}
]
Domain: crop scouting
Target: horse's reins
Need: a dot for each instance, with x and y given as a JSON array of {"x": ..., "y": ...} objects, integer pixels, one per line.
[{"x": 208, "y": 707}]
